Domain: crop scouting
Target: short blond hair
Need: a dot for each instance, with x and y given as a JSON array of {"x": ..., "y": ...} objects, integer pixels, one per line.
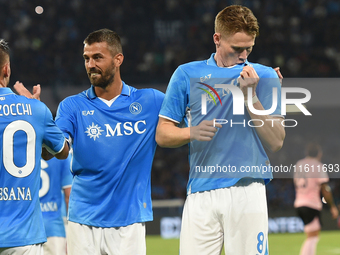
[{"x": 236, "y": 18}]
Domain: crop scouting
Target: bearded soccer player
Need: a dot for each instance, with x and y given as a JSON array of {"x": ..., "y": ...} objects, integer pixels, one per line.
[
  {"x": 112, "y": 129},
  {"x": 225, "y": 203},
  {"x": 25, "y": 125}
]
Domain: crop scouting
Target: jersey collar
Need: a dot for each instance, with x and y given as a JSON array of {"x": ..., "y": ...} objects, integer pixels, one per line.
[
  {"x": 5, "y": 91},
  {"x": 125, "y": 91},
  {"x": 211, "y": 62}
]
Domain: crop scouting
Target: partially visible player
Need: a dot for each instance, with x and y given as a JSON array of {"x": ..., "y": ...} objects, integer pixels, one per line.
[
  {"x": 56, "y": 181},
  {"x": 309, "y": 180},
  {"x": 224, "y": 205},
  {"x": 25, "y": 126}
]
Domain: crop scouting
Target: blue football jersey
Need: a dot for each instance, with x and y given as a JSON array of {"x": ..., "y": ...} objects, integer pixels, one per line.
[
  {"x": 113, "y": 148},
  {"x": 197, "y": 92},
  {"x": 55, "y": 176},
  {"x": 25, "y": 125}
]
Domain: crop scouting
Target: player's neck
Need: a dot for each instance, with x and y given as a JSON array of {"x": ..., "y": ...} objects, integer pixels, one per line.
[
  {"x": 111, "y": 91},
  {"x": 223, "y": 62},
  {"x": 3, "y": 83}
]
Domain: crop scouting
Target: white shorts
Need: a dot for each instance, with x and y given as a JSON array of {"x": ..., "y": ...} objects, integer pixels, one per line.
[
  {"x": 236, "y": 216},
  {"x": 87, "y": 240},
  {"x": 55, "y": 245},
  {"x": 35, "y": 249}
]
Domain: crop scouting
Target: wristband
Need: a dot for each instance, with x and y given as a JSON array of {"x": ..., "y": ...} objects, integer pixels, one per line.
[{"x": 254, "y": 100}]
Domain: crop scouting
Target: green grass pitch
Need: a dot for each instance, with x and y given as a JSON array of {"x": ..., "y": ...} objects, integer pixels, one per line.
[{"x": 279, "y": 244}]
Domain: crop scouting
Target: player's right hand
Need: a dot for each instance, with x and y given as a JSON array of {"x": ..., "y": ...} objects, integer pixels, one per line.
[
  {"x": 204, "y": 131},
  {"x": 20, "y": 88},
  {"x": 248, "y": 79}
]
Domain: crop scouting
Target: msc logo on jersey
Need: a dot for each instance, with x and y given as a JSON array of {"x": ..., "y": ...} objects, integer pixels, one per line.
[
  {"x": 135, "y": 108},
  {"x": 126, "y": 128},
  {"x": 94, "y": 131},
  {"x": 85, "y": 113}
]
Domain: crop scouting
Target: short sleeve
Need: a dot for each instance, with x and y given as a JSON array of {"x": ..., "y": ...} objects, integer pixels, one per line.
[
  {"x": 176, "y": 97},
  {"x": 65, "y": 119},
  {"x": 53, "y": 138}
]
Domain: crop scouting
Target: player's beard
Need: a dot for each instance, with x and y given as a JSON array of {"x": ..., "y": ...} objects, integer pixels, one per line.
[{"x": 105, "y": 79}]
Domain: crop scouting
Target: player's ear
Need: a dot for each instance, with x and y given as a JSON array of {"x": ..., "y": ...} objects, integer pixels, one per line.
[
  {"x": 217, "y": 39},
  {"x": 6, "y": 70},
  {"x": 118, "y": 59}
]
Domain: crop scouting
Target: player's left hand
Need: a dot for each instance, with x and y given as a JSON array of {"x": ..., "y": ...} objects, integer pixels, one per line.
[
  {"x": 334, "y": 212},
  {"x": 20, "y": 88},
  {"x": 249, "y": 78},
  {"x": 277, "y": 70}
]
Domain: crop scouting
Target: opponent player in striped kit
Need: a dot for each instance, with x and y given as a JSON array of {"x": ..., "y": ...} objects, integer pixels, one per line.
[
  {"x": 224, "y": 204},
  {"x": 309, "y": 180},
  {"x": 25, "y": 126}
]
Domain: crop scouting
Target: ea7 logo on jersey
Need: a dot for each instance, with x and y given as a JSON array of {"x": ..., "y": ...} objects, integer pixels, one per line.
[
  {"x": 204, "y": 78},
  {"x": 85, "y": 113}
]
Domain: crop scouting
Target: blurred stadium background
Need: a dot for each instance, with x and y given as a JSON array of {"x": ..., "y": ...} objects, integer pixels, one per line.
[{"x": 299, "y": 36}]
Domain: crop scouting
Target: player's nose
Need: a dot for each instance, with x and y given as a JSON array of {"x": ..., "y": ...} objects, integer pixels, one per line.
[
  {"x": 90, "y": 63},
  {"x": 243, "y": 56}
]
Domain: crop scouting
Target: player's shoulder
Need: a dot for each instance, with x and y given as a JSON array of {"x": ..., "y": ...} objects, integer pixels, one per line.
[
  {"x": 34, "y": 103},
  {"x": 187, "y": 70},
  {"x": 147, "y": 93},
  {"x": 191, "y": 66},
  {"x": 264, "y": 71},
  {"x": 149, "y": 98},
  {"x": 194, "y": 63},
  {"x": 303, "y": 161}
]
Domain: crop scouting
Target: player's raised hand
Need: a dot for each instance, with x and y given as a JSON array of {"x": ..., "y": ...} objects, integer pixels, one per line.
[
  {"x": 277, "y": 70},
  {"x": 248, "y": 78},
  {"x": 21, "y": 90},
  {"x": 204, "y": 131}
]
